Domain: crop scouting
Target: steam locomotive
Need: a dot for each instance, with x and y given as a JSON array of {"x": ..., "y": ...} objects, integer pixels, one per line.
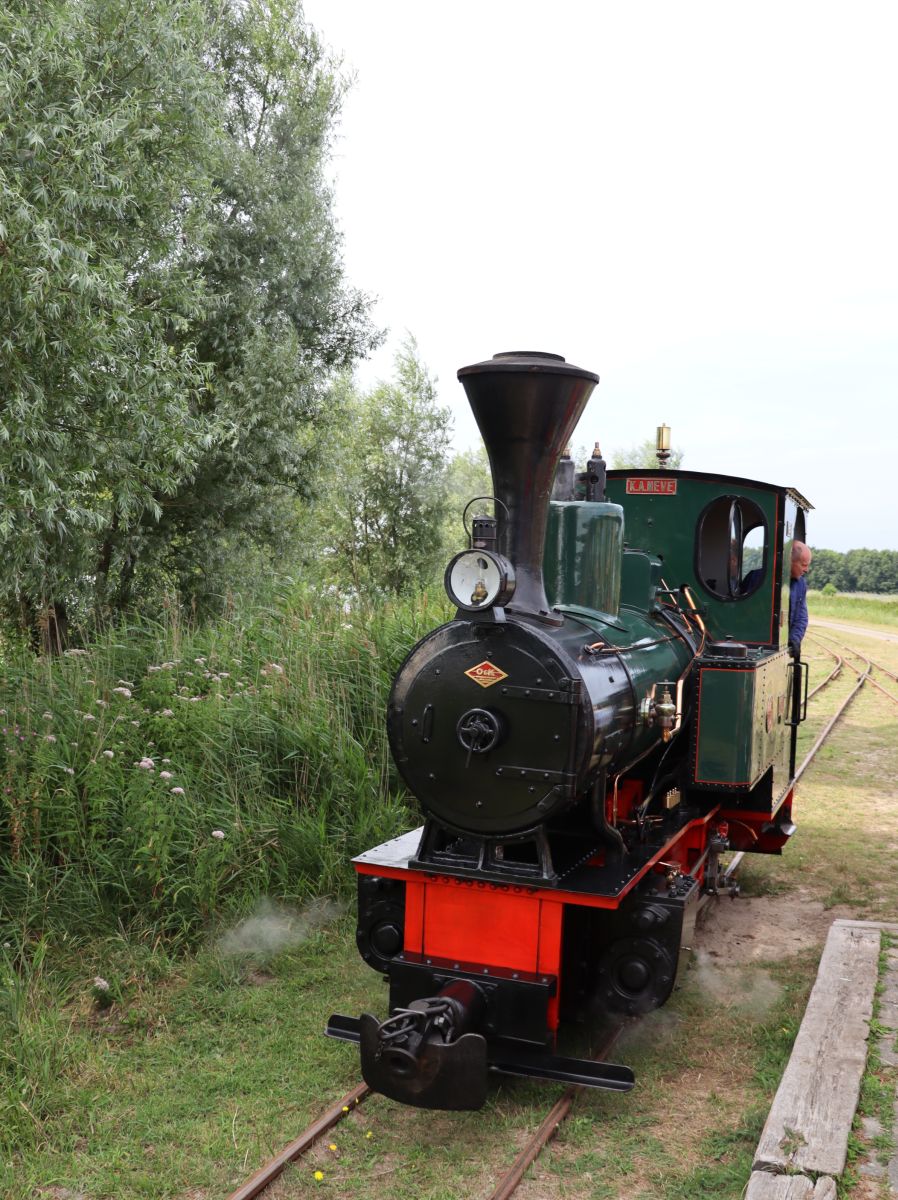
[{"x": 597, "y": 724}]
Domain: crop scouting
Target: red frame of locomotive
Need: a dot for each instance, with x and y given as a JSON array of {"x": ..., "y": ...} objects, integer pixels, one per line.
[{"x": 444, "y": 915}]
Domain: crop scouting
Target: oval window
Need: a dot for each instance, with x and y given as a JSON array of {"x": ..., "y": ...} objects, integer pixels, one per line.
[{"x": 731, "y": 549}]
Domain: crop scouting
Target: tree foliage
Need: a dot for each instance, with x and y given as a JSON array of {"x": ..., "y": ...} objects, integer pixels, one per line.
[
  {"x": 379, "y": 524},
  {"x": 171, "y": 294},
  {"x": 468, "y": 476},
  {"x": 855, "y": 570},
  {"x": 280, "y": 320},
  {"x": 644, "y": 455},
  {"x": 104, "y": 118}
]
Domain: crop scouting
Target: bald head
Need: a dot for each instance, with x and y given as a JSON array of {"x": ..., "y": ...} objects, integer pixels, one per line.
[{"x": 801, "y": 559}]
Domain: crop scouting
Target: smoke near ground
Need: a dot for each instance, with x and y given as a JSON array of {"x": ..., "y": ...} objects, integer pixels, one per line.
[
  {"x": 276, "y": 927},
  {"x": 747, "y": 988}
]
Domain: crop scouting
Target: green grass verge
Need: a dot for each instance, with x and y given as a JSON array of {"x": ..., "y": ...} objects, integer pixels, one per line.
[
  {"x": 196, "y": 1073},
  {"x": 189, "y": 1070},
  {"x": 871, "y": 610}
]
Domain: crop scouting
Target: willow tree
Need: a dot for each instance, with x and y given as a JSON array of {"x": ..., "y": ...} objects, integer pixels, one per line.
[
  {"x": 378, "y": 524},
  {"x": 171, "y": 295}
]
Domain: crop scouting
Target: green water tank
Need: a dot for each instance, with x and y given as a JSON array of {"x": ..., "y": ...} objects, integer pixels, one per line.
[{"x": 582, "y": 562}]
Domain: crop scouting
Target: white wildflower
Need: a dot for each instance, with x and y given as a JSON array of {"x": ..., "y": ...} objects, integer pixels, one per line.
[
  {"x": 101, "y": 984},
  {"x": 69, "y": 770},
  {"x": 218, "y": 834},
  {"x": 166, "y": 712},
  {"x": 49, "y": 738},
  {"x": 109, "y": 754},
  {"x": 177, "y": 791},
  {"x": 123, "y": 691},
  {"x": 89, "y": 717},
  {"x": 166, "y": 775}
]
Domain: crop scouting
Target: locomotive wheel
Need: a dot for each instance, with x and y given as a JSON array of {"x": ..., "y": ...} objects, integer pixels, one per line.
[{"x": 635, "y": 975}]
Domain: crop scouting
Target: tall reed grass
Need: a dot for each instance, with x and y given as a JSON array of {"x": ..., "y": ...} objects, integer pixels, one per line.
[{"x": 169, "y": 774}]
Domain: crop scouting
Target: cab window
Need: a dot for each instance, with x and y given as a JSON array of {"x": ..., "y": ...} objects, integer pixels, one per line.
[{"x": 731, "y": 547}]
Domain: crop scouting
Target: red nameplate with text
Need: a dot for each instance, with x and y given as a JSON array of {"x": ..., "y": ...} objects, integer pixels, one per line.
[{"x": 651, "y": 487}]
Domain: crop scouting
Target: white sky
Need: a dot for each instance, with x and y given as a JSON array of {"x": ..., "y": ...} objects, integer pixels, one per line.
[{"x": 698, "y": 201}]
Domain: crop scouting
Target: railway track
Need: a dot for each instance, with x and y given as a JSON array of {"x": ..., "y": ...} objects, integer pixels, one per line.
[
  {"x": 269, "y": 1172},
  {"x": 505, "y": 1187}
]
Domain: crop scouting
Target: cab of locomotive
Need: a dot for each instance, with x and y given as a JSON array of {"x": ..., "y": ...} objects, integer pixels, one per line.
[{"x": 727, "y": 538}]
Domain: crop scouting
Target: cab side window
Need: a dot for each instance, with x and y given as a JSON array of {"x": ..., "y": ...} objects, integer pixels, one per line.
[{"x": 731, "y": 547}]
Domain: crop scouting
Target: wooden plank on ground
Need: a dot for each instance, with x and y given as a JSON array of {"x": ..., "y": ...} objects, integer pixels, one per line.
[
  {"x": 810, "y": 1119},
  {"x": 764, "y": 1186}
]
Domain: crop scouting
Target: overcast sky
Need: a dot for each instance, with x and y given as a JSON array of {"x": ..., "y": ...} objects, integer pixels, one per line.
[{"x": 698, "y": 201}]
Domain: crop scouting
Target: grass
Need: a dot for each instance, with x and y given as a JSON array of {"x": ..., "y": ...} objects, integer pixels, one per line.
[
  {"x": 167, "y": 775},
  {"x": 876, "y": 611},
  {"x": 192, "y": 1074},
  {"x": 203, "y": 1069},
  {"x": 205, "y": 1063}
]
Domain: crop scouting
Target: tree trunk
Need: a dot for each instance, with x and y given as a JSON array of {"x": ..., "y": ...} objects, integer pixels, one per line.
[{"x": 46, "y": 624}]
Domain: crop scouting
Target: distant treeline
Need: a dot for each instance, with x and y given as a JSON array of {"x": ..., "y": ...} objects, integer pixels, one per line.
[{"x": 855, "y": 570}]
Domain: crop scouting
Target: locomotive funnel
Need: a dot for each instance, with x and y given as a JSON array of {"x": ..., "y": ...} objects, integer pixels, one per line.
[{"x": 527, "y": 406}]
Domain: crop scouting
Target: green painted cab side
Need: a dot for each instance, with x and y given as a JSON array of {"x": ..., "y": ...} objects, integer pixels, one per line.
[{"x": 665, "y": 521}]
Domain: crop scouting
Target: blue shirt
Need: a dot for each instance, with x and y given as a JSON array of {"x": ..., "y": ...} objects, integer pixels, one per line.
[{"x": 798, "y": 610}]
